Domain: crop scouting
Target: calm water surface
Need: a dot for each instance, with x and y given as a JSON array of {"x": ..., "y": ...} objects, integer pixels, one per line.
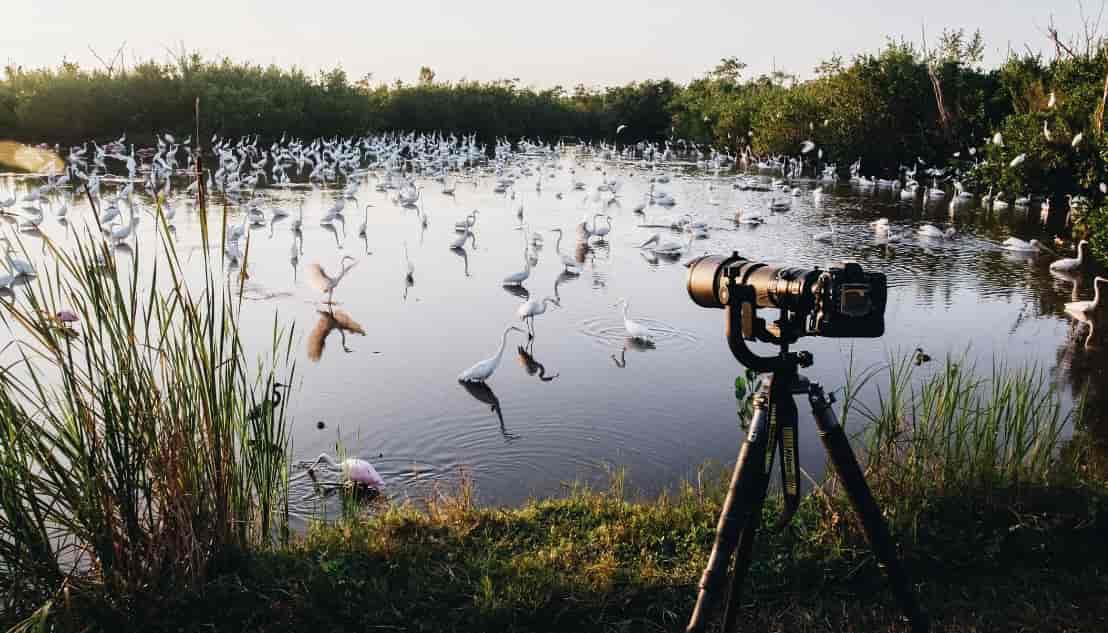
[{"x": 580, "y": 398}]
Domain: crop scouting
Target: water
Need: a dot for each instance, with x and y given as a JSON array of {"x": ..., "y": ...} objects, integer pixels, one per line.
[{"x": 380, "y": 373}]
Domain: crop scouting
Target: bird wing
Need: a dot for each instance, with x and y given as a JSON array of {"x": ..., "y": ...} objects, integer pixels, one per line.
[
  {"x": 317, "y": 338},
  {"x": 318, "y": 278},
  {"x": 346, "y": 322}
]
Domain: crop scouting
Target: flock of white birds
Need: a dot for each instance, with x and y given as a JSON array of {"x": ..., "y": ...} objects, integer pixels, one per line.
[{"x": 122, "y": 183}]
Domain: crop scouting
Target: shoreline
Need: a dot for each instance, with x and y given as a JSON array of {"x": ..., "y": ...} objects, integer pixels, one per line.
[{"x": 1028, "y": 557}]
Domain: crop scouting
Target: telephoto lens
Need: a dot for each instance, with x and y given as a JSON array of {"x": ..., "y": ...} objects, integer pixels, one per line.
[{"x": 843, "y": 301}]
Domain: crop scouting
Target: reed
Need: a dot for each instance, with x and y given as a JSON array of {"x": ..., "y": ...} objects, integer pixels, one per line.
[
  {"x": 955, "y": 431},
  {"x": 136, "y": 448}
]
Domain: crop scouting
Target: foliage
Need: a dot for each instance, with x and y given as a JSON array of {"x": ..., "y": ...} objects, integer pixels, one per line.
[{"x": 133, "y": 454}]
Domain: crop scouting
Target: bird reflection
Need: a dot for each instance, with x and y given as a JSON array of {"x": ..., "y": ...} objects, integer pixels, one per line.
[
  {"x": 530, "y": 365},
  {"x": 461, "y": 252},
  {"x": 517, "y": 291},
  {"x": 330, "y": 228},
  {"x": 330, "y": 320},
  {"x": 484, "y": 393},
  {"x": 561, "y": 279},
  {"x": 634, "y": 345},
  {"x": 581, "y": 252},
  {"x": 273, "y": 221}
]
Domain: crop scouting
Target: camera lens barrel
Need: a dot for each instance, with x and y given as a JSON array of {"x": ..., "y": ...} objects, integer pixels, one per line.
[
  {"x": 843, "y": 301},
  {"x": 704, "y": 278},
  {"x": 774, "y": 287}
]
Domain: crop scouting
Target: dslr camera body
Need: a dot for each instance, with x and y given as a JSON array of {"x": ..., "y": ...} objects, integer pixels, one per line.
[{"x": 840, "y": 302}]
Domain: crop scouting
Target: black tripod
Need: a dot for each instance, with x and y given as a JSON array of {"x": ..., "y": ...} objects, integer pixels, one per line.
[{"x": 773, "y": 428}]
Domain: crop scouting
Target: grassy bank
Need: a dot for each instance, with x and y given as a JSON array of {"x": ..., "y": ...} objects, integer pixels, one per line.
[
  {"x": 1030, "y": 559},
  {"x": 998, "y": 513}
]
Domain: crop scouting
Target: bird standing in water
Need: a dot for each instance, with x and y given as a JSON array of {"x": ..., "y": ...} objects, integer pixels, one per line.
[
  {"x": 483, "y": 370},
  {"x": 326, "y": 283}
]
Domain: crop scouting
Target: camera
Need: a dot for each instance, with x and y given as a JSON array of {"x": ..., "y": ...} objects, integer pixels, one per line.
[{"x": 842, "y": 301}]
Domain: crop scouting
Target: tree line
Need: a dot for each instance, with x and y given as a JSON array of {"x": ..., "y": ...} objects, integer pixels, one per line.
[{"x": 904, "y": 105}]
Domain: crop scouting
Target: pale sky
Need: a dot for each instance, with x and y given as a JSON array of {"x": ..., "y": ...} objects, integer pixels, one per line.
[{"x": 598, "y": 42}]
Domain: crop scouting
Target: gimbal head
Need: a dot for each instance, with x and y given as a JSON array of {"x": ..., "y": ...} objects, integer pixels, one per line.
[{"x": 743, "y": 324}]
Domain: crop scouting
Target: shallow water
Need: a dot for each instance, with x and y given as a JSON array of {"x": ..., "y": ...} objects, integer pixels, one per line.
[{"x": 380, "y": 372}]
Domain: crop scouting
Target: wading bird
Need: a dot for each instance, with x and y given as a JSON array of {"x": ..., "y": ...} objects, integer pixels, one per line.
[
  {"x": 1084, "y": 310},
  {"x": 1071, "y": 264},
  {"x": 483, "y": 370},
  {"x": 532, "y": 308},
  {"x": 635, "y": 330},
  {"x": 326, "y": 284}
]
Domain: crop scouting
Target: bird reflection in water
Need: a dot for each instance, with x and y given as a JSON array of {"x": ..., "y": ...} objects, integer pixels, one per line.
[
  {"x": 460, "y": 251},
  {"x": 329, "y": 321},
  {"x": 530, "y": 365},
  {"x": 517, "y": 291},
  {"x": 563, "y": 277},
  {"x": 634, "y": 345},
  {"x": 484, "y": 393},
  {"x": 295, "y": 252},
  {"x": 330, "y": 228}
]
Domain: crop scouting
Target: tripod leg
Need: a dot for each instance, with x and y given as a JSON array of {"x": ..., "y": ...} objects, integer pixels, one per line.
[
  {"x": 782, "y": 414},
  {"x": 850, "y": 474},
  {"x": 742, "y": 559},
  {"x": 733, "y": 516}
]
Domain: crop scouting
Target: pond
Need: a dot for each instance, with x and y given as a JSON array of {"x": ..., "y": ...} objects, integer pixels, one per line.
[{"x": 379, "y": 369}]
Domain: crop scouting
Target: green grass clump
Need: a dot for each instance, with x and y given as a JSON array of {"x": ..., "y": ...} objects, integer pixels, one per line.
[
  {"x": 128, "y": 458},
  {"x": 593, "y": 560}
]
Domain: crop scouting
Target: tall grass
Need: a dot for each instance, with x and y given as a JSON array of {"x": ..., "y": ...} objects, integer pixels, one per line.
[
  {"x": 954, "y": 431},
  {"x": 129, "y": 458}
]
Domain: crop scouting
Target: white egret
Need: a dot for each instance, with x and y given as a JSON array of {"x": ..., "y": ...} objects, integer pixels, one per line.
[
  {"x": 1016, "y": 244},
  {"x": 745, "y": 217},
  {"x": 124, "y": 231},
  {"x": 569, "y": 264},
  {"x": 826, "y": 236},
  {"x": 532, "y": 308},
  {"x": 466, "y": 224},
  {"x": 666, "y": 247},
  {"x": 483, "y": 370},
  {"x": 233, "y": 251},
  {"x": 1071, "y": 264},
  {"x": 1084, "y": 310},
  {"x": 326, "y": 283},
  {"x": 601, "y": 231},
  {"x": 637, "y": 331},
  {"x": 930, "y": 230},
  {"x": 516, "y": 279}
]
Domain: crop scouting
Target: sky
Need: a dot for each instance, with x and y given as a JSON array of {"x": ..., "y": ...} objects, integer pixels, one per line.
[{"x": 543, "y": 44}]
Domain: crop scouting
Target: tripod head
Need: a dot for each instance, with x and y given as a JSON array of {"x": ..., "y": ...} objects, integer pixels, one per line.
[{"x": 743, "y": 324}]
